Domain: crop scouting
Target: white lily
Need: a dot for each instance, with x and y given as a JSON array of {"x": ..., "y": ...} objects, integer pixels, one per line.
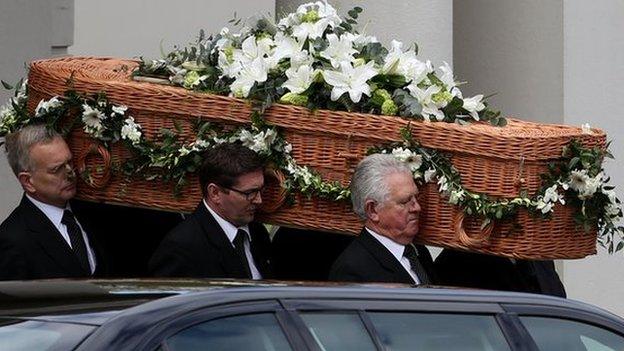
[
  {"x": 299, "y": 79},
  {"x": 120, "y": 110},
  {"x": 285, "y": 47},
  {"x": 253, "y": 48},
  {"x": 47, "y": 106},
  {"x": 350, "y": 80},
  {"x": 307, "y": 30},
  {"x": 473, "y": 105},
  {"x": 254, "y": 72},
  {"x": 447, "y": 76},
  {"x": 131, "y": 131},
  {"x": 338, "y": 50}
]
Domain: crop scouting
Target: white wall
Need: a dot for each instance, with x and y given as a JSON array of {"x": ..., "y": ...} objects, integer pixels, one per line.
[
  {"x": 134, "y": 28},
  {"x": 513, "y": 49},
  {"x": 593, "y": 92},
  {"x": 28, "y": 30}
]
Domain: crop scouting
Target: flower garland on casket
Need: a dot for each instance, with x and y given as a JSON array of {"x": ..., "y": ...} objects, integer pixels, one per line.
[{"x": 314, "y": 58}]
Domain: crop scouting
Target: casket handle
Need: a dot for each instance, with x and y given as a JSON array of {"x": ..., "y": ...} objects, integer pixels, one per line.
[
  {"x": 270, "y": 207},
  {"x": 81, "y": 163},
  {"x": 471, "y": 241}
]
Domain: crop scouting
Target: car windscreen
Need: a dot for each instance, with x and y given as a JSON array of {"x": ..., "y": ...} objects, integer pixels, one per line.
[{"x": 20, "y": 334}]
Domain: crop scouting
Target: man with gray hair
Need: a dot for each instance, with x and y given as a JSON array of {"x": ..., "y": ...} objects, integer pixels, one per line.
[
  {"x": 42, "y": 238},
  {"x": 385, "y": 197}
]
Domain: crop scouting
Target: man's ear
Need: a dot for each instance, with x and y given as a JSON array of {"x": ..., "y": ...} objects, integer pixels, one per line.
[
  {"x": 370, "y": 207},
  {"x": 25, "y": 180},
  {"x": 212, "y": 193}
]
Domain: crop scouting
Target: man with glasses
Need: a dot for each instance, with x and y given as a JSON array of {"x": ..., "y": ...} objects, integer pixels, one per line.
[
  {"x": 220, "y": 239},
  {"x": 385, "y": 197},
  {"x": 42, "y": 237}
]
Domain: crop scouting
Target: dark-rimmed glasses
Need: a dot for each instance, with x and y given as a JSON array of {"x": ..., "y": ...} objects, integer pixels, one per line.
[{"x": 249, "y": 195}]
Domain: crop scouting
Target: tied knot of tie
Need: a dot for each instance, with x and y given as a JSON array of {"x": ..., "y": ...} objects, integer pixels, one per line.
[
  {"x": 239, "y": 246},
  {"x": 412, "y": 256},
  {"x": 77, "y": 241}
]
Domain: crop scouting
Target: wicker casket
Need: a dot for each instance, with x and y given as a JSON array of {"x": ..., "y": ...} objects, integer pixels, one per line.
[{"x": 498, "y": 161}]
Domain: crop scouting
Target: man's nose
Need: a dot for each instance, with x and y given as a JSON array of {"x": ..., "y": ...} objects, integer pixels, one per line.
[
  {"x": 258, "y": 198},
  {"x": 416, "y": 207}
]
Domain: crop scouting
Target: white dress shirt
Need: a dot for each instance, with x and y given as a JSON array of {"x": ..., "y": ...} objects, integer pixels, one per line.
[
  {"x": 396, "y": 250},
  {"x": 230, "y": 231},
  {"x": 55, "y": 215}
]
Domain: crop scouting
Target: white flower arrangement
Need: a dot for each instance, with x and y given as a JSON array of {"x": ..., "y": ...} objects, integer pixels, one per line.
[{"x": 314, "y": 58}]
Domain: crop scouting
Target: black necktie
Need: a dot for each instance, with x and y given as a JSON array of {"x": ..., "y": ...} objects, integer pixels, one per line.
[
  {"x": 239, "y": 245},
  {"x": 76, "y": 239},
  {"x": 417, "y": 267}
]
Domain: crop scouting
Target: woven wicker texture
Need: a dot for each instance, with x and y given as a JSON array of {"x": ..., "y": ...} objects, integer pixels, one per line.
[{"x": 497, "y": 161}]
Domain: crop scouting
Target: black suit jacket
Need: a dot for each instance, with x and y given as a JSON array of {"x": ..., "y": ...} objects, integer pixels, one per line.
[
  {"x": 367, "y": 260},
  {"x": 32, "y": 248},
  {"x": 474, "y": 270},
  {"x": 199, "y": 248}
]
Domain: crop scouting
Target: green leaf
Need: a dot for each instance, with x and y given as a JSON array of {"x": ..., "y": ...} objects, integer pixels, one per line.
[
  {"x": 620, "y": 246},
  {"x": 357, "y": 9},
  {"x": 6, "y": 85},
  {"x": 573, "y": 162}
]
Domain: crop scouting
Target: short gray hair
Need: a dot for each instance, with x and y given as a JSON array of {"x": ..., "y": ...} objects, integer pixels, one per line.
[
  {"x": 369, "y": 180},
  {"x": 18, "y": 144}
]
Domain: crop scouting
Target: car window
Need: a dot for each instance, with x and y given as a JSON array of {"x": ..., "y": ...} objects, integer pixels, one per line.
[
  {"x": 250, "y": 332},
  {"x": 438, "y": 332},
  {"x": 338, "y": 331},
  {"x": 17, "y": 335},
  {"x": 561, "y": 334}
]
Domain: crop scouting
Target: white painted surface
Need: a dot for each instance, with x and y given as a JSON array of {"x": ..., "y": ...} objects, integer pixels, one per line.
[
  {"x": 28, "y": 30},
  {"x": 593, "y": 93},
  {"x": 137, "y": 28}
]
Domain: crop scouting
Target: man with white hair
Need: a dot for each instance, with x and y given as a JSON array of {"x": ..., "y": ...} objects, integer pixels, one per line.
[{"x": 385, "y": 197}]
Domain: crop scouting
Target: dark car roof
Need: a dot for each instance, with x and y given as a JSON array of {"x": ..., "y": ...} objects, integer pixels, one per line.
[
  {"x": 130, "y": 313},
  {"x": 95, "y": 301}
]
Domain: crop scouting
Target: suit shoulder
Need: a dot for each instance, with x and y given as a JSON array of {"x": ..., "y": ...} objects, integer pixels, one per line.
[{"x": 13, "y": 226}]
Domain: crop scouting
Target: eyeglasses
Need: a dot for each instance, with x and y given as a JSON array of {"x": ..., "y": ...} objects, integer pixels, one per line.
[{"x": 249, "y": 195}]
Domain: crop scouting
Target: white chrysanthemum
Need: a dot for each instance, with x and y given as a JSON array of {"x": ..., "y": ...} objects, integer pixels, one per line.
[
  {"x": 591, "y": 186},
  {"x": 578, "y": 180},
  {"x": 131, "y": 131},
  {"x": 92, "y": 118}
]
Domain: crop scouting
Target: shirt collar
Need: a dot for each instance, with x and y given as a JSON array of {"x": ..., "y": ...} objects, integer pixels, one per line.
[
  {"x": 395, "y": 248},
  {"x": 229, "y": 229},
  {"x": 54, "y": 214}
]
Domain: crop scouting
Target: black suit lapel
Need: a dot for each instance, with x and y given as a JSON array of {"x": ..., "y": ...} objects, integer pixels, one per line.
[
  {"x": 45, "y": 234},
  {"x": 215, "y": 235},
  {"x": 385, "y": 257}
]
